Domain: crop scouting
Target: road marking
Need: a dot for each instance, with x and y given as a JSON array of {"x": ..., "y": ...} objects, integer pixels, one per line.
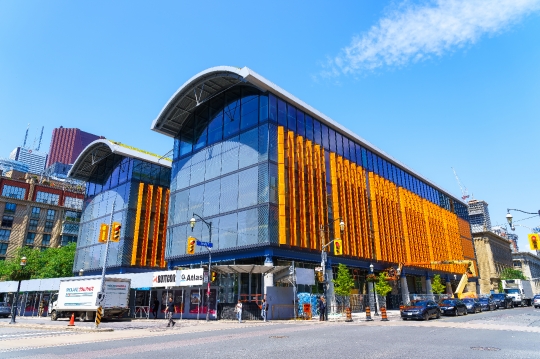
[{"x": 21, "y": 335}]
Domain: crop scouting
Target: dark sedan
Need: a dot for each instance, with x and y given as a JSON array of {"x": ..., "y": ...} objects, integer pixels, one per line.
[
  {"x": 421, "y": 309},
  {"x": 473, "y": 305},
  {"x": 502, "y": 300},
  {"x": 452, "y": 307},
  {"x": 487, "y": 304},
  {"x": 5, "y": 310}
]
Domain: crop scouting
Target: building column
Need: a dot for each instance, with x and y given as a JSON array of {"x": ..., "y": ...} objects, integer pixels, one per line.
[
  {"x": 371, "y": 298},
  {"x": 429, "y": 288},
  {"x": 268, "y": 279},
  {"x": 404, "y": 289},
  {"x": 330, "y": 297},
  {"x": 448, "y": 286}
]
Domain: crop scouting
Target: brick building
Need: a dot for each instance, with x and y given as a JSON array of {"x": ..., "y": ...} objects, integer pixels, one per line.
[
  {"x": 493, "y": 254},
  {"x": 39, "y": 215},
  {"x": 67, "y": 144}
]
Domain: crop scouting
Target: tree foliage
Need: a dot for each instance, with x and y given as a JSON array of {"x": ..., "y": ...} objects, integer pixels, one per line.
[
  {"x": 437, "y": 286},
  {"x": 50, "y": 263},
  {"x": 382, "y": 287},
  {"x": 511, "y": 273},
  {"x": 344, "y": 281}
]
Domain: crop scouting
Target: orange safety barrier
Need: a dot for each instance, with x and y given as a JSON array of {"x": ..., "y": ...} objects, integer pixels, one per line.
[
  {"x": 368, "y": 314},
  {"x": 384, "y": 316},
  {"x": 348, "y": 313}
]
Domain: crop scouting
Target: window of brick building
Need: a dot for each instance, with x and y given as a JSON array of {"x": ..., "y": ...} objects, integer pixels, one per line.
[{"x": 7, "y": 221}]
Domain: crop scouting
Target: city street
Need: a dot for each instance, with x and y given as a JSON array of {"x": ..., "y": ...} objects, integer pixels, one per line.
[{"x": 500, "y": 334}]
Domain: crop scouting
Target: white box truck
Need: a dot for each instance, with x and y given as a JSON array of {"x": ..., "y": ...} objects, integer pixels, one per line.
[
  {"x": 520, "y": 291},
  {"x": 79, "y": 296}
]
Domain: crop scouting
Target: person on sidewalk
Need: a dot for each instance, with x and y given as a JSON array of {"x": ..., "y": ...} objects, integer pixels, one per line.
[
  {"x": 169, "y": 311},
  {"x": 264, "y": 310},
  {"x": 41, "y": 308},
  {"x": 238, "y": 310},
  {"x": 155, "y": 308},
  {"x": 322, "y": 309}
]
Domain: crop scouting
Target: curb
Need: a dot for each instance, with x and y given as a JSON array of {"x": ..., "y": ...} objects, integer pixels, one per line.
[{"x": 54, "y": 327}]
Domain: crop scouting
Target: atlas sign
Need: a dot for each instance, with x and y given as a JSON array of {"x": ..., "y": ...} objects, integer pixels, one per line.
[{"x": 178, "y": 278}]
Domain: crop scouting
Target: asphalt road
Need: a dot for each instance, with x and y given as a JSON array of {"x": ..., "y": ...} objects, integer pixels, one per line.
[{"x": 499, "y": 334}]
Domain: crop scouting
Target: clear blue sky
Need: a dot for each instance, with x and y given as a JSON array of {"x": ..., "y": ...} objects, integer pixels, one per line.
[{"x": 433, "y": 84}]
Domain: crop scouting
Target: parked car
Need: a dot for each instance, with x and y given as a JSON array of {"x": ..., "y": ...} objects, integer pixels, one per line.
[
  {"x": 452, "y": 307},
  {"x": 421, "y": 309},
  {"x": 502, "y": 300},
  {"x": 487, "y": 303},
  {"x": 536, "y": 301},
  {"x": 5, "y": 310},
  {"x": 473, "y": 305}
]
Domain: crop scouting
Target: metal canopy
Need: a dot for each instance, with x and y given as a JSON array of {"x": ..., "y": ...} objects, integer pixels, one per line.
[
  {"x": 248, "y": 268},
  {"x": 99, "y": 158}
]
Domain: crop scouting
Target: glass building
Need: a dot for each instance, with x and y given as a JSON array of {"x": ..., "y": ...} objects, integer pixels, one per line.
[
  {"x": 274, "y": 176},
  {"x": 136, "y": 183}
]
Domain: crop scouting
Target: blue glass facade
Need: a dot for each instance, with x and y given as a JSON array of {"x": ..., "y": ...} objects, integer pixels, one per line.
[{"x": 121, "y": 185}]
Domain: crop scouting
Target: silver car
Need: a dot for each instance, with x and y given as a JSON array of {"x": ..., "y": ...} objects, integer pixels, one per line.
[
  {"x": 536, "y": 301},
  {"x": 5, "y": 310}
]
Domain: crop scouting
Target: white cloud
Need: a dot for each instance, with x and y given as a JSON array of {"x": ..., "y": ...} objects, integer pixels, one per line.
[{"x": 412, "y": 33}]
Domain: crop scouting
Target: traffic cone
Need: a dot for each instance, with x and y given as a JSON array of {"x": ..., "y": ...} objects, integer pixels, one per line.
[
  {"x": 368, "y": 314},
  {"x": 383, "y": 314},
  {"x": 72, "y": 320}
]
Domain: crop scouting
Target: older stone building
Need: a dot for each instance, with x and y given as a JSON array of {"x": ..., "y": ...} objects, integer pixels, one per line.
[
  {"x": 529, "y": 264},
  {"x": 37, "y": 213},
  {"x": 493, "y": 254}
]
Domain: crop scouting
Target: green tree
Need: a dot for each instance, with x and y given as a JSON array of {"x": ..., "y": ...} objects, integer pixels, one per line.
[
  {"x": 50, "y": 263},
  {"x": 382, "y": 287},
  {"x": 437, "y": 286},
  {"x": 344, "y": 281},
  {"x": 511, "y": 273}
]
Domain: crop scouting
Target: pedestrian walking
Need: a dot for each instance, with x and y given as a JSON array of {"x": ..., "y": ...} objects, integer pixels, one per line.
[
  {"x": 238, "y": 310},
  {"x": 41, "y": 308},
  {"x": 169, "y": 311},
  {"x": 322, "y": 309},
  {"x": 155, "y": 308},
  {"x": 264, "y": 310}
]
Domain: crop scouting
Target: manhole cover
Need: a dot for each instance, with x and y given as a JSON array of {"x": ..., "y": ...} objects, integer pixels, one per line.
[
  {"x": 488, "y": 349},
  {"x": 278, "y": 336}
]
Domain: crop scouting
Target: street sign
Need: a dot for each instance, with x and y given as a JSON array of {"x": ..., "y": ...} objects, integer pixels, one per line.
[
  {"x": 100, "y": 299},
  {"x": 205, "y": 244}
]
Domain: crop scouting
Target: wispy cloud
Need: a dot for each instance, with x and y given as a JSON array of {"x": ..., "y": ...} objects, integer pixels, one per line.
[{"x": 415, "y": 32}]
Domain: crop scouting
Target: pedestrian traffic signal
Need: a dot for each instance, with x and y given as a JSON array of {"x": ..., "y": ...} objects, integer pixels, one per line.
[
  {"x": 103, "y": 233},
  {"x": 116, "y": 227},
  {"x": 213, "y": 277},
  {"x": 320, "y": 276},
  {"x": 338, "y": 247},
  {"x": 191, "y": 241},
  {"x": 533, "y": 241}
]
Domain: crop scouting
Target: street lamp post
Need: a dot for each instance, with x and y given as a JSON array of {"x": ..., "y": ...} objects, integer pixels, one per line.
[
  {"x": 14, "y": 301},
  {"x": 81, "y": 272},
  {"x": 374, "y": 292},
  {"x": 323, "y": 257},
  {"x": 209, "y": 225},
  {"x": 509, "y": 216}
]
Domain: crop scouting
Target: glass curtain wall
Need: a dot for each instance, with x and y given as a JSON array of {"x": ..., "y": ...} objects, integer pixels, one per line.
[{"x": 123, "y": 185}]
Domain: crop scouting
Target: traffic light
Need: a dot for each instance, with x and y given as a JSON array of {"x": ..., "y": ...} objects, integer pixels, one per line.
[
  {"x": 338, "y": 247},
  {"x": 103, "y": 233},
  {"x": 213, "y": 277},
  {"x": 533, "y": 241},
  {"x": 116, "y": 227},
  {"x": 191, "y": 245},
  {"x": 320, "y": 276}
]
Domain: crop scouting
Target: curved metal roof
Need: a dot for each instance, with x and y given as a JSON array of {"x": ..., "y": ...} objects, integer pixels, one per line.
[
  {"x": 213, "y": 81},
  {"x": 96, "y": 160}
]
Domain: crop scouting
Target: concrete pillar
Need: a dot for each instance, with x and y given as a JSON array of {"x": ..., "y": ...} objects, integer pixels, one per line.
[
  {"x": 371, "y": 298},
  {"x": 448, "y": 286},
  {"x": 429, "y": 288},
  {"x": 268, "y": 279},
  {"x": 404, "y": 289},
  {"x": 330, "y": 298}
]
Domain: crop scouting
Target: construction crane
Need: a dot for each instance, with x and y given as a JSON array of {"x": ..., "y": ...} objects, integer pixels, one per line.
[{"x": 464, "y": 193}]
